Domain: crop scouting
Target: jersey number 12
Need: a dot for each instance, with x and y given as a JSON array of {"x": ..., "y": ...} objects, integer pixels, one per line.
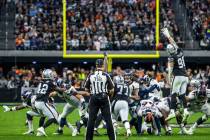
[{"x": 42, "y": 88}]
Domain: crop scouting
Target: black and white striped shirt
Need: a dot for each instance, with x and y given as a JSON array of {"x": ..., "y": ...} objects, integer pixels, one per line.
[{"x": 99, "y": 82}]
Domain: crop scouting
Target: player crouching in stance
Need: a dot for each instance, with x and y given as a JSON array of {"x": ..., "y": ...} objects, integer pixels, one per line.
[
  {"x": 120, "y": 108},
  {"x": 176, "y": 66},
  {"x": 45, "y": 88},
  {"x": 74, "y": 100},
  {"x": 163, "y": 106},
  {"x": 149, "y": 112},
  {"x": 28, "y": 99},
  {"x": 198, "y": 101}
]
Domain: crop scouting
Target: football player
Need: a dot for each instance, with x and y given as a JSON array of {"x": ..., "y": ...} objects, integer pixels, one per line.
[
  {"x": 151, "y": 114},
  {"x": 163, "y": 106},
  {"x": 120, "y": 103},
  {"x": 152, "y": 86},
  {"x": 28, "y": 98},
  {"x": 199, "y": 101},
  {"x": 176, "y": 66},
  {"x": 45, "y": 88},
  {"x": 74, "y": 100}
]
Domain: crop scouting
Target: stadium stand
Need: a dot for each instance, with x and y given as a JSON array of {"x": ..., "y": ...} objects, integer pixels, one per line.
[
  {"x": 29, "y": 77},
  {"x": 108, "y": 25},
  {"x": 198, "y": 13}
]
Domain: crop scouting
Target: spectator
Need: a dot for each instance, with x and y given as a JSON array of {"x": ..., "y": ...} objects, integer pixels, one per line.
[
  {"x": 12, "y": 83},
  {"x": 12, "y": 73},
  {"x": 75, "y": 43},
  {"x": 19, "y": 42},
  {"x": 3, "y": 82},
  {"x": 137, "y": 43}
]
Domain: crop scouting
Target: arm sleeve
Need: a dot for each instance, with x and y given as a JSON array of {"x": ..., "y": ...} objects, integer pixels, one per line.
[
  {"x": 110, "y": 82},
  {"x": 87, "y": 82}
]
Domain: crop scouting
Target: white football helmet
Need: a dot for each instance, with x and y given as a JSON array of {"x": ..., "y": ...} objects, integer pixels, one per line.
[
  {"x": 118, "y": 80},
  {"x": 195, "y": 83},
  {"x": 48, "y": 74},
  {"x": 171, "y": 49}
]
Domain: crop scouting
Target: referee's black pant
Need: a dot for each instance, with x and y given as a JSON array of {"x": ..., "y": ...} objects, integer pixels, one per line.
[{"x": 101, "y": 102}]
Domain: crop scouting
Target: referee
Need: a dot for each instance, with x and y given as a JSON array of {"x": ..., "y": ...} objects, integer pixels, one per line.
[{"x": 99, "y": 84}]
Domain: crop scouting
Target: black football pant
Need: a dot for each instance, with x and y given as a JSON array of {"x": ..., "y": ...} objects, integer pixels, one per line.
[{"x": 101, "y": 102}]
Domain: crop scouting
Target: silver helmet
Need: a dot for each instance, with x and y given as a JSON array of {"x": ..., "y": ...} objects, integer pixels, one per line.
[
  {"x": 48, "y": 74},
  {"x": 171, "y": 49}
]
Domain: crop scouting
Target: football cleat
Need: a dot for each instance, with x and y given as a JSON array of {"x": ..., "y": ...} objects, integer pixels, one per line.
[
  {"x": 29, "y": 132},
  {"x": 74, "y": 133},
  {"x": 41, "y": 130},
  {"x": 169, "y": 132},
  {"x": 58, "y": 132},
  {"x": 191, "y": 131},
  {"x": 128, "y": 133},
  {"x": 38, "y": 134},
  {"x": 78, "y": 125}
]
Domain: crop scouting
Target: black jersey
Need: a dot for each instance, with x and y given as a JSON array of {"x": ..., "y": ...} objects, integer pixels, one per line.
[
  {"x": 121, "y": 92},
  {"x": 45, "y": 87},
  {"x": 179, "y": 63}
]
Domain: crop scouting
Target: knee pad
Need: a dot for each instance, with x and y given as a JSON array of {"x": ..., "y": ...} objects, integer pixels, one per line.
[{"x": 29, "y": 117}]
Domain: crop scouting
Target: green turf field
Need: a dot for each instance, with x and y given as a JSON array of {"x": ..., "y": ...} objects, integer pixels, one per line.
[{"x": 12, "y": 126}]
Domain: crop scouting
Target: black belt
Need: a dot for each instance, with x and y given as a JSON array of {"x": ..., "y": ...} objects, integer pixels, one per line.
[{"x": 100, "y": 95}]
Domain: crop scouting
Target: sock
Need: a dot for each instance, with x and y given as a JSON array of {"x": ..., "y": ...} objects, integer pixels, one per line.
[
  {"x": 49, "y": 122},
  {"x": 195, "y": 125},
  {"x": 183, "y": 100},
  {"x": 144, "y": 127},
  {"x": 127, "y": 125},
  {"x": 70, "y": 126},
  {"x": 157, "y": 123},
  {"x": 30, "y": 125},
  {"x": 29, "y": 120},
  {"x": 139, "y": 122},
  {"x": 82, "y": 100},
  {"x": 62, "y": 122},
  {"x": 41, "y": 121},
  {"x": 173, "y": 101}
]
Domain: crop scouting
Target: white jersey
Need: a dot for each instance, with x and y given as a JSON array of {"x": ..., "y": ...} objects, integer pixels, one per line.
[
  {"x": 163, "y": 105},
  {"x": 157, "y": 91},
  {"x": 69, "y": 97},
  {"x": 30, "y": 103},
  {"x": 148, "y": 105},
  {"x": 198, "y": 105},
  {"x": 133, "y": 87},
  {"x": 118, "y": 79}
]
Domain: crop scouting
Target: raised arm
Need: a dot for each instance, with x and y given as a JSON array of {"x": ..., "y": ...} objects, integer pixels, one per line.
[
  {"x": 105, "y": 62},
  {"x": 165, "y": 32}
]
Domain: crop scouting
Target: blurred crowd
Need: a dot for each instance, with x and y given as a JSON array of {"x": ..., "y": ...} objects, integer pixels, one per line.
[
  {"x": 91, "y": 25},
  {"x": 102, "y": 24},
  {"x": 167, "y": 19},
  {"x": 199, "y": 14},
  {"x": 19, "y": 77}
]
